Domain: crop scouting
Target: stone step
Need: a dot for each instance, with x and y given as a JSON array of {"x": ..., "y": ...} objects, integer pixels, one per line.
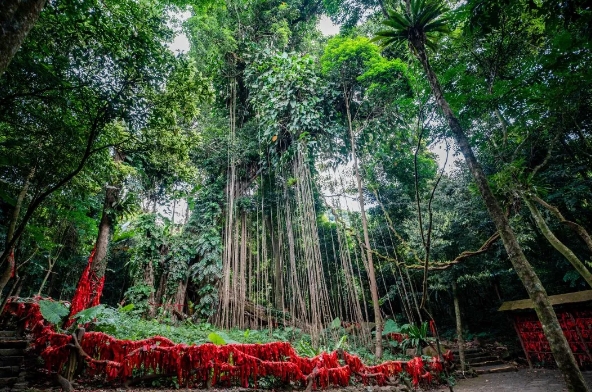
[
  {"x": 481, "y": 358},
  {"x": 16, "y": 360},
  {"x": 477, "y": 354},
  {"x": 472, "y": 355},
  {"x": 486, "y": 363},
  {"x": 467, "y": 351},
  {"x": 13, "y": 343},
  {"x": 4, "y": 382},
  {"x": 11, "y": 352},
  {"x": 496, "y": 369},
  {"x": 10, "y": 371},
  {"x": 20, "y": 386},
  {"x": 7, "y": 334}
]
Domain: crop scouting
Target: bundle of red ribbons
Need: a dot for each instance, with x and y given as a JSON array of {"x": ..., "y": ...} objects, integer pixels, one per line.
[
  {"x": 576, "y": 326},
  {"x": 232, "y": 364}
]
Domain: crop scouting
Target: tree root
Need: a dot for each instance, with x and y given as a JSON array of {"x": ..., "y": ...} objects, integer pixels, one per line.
[
  {"x": 310, "y": 378},
  {"x": 64, "y": 383}
]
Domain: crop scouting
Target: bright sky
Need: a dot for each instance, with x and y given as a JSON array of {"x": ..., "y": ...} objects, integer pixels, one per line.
[
  {"x": 439, "y": 149},
  {"x": 327, "y": 27},
  {"x": 180, "y": 44}
]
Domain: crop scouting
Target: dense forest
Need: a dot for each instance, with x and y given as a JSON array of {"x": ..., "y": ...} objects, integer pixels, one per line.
[{"x": 427, "y": 163}]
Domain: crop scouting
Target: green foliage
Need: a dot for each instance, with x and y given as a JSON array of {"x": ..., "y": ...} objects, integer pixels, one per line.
[
  {"x": 53, "y": 312},
  {"x": 118, "y": 52},
  {"x": 341, "y": 342},
  {"x": 288, "y": 99},
  {"x": 122, "y": 323},
  {"x": 336, "y": 323},
  {"x": 345, "y": 55},
  {"x": 99, "y": 74},
  {"x": 216, "y": 339},
  {"x": 200, "y": 247},
  {"x": 424, "y": 21},
  {"x": 87, "y": 315},
  {"x": 390, "y": 326},
  {"x": 138, "y": 295},
  {"x": 417, "y": 336}
]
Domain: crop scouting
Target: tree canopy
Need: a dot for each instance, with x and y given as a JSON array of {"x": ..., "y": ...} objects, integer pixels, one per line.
[{"x": 272, "y": 176}]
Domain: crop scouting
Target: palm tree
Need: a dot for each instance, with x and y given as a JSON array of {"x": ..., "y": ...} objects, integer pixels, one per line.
[{"x": 418, "y": 25}]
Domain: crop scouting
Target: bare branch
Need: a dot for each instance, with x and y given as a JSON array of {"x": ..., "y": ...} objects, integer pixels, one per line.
[{"x": 461, "y": 257}]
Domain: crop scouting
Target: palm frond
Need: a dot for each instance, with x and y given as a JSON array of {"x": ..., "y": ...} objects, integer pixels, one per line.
[
  {"x": 417, "y": 6},
  {"x": 397, "y": 21},
  {"x": 389, "y": 34},
  {"x": 425, "y": 18},
  {"x": 440, "y": 26}
]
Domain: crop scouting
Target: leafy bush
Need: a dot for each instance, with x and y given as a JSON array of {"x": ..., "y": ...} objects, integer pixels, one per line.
[
  {"x": 53, "y": 312},
  {"x": 125, "y": 323}
]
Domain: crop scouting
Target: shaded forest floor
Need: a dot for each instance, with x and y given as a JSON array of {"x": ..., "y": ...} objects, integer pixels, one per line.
[{"x": 524, "y": 380}]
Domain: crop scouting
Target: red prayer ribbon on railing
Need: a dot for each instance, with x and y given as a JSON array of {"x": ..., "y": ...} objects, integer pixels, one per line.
[
  {"x": 576, "y": 326},
  {"x": 232, "y": 364}
]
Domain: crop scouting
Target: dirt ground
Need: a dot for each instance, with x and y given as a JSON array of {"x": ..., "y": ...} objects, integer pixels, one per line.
[{"x": 524, "y": 380}]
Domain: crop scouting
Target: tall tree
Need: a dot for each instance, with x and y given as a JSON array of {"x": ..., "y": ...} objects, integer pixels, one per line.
[
  {"x": 416, "y": 25},
  {"x": 72, "y": 94}
]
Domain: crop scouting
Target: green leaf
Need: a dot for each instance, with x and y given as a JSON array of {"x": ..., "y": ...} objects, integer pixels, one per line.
[
  {"x": 88, "y": 315},
  {"x": 53, "y": 312},
  {"x": 216, "y": 339},
  {"x": 391, "y": 327},
  {"x": 341, "y": 342},
  {"x": 336, "y": 323},
  {"x": 126, "y": 308}
]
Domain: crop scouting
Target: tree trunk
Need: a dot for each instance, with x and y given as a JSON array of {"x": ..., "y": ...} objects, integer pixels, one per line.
[
  {"x": 17, "y": 17},
  {"x": 459, "y": 330},
  {"x": 178, "y": 301},
  {"x": 277, "y": 266},
  {"x": 371, "y": 273},
  {"x": 19, "y": 287},
  {"x": 98, "y": 261},
  {"x": 559, "y": 346},
  {"x": 557, "y": 244},
  {"x": 148, "y": 280},
  {"x": 160, "y": 292},
  {"x": 106, "y": 224},
  {"x": 99, "y": 265},
  {"x": 50, "y": 263},
  {"x": 574, "y": 226},
  {"x": 10, "y": 267}
]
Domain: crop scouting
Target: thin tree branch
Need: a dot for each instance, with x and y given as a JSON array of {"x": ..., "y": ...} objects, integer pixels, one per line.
[
  {"x": 429, "y": 234},
  {"x": 547, "y": 158},
  {"x": 461, "y": 257},
  {"x": 573, "y": 225},
  {"x": 100, "y": 119}
]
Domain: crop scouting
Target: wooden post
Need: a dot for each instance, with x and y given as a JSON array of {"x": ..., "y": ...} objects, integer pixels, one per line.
[{"x": 521, "y": 341}]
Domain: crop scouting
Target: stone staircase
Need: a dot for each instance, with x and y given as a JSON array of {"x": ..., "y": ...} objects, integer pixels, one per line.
[
  {"x": 12, "y": 359},
  {"x": 482, "y": 362}
]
